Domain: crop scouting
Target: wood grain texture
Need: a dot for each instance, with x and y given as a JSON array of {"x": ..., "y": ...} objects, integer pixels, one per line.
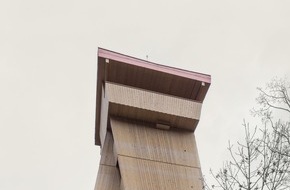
[
  {"x": 108, "y": 154},
  {"x": 101, "y": 75},
  {"x": 128, "y": 102},
  {"x": 138, "y": 174},
  {"x": 153, "y": 101},
  {"x": 165, "y": 81},
  {"x": 141, "y": 140},
  {"x": 104, "y": 117},
  {"x": 108, "y": 178},
  {"x": 130, "y": 71},
  {"x": 149, "y": 106}
]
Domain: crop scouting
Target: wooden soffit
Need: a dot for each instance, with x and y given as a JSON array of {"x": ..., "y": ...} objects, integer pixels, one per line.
[{"x": 126, "y": 70}]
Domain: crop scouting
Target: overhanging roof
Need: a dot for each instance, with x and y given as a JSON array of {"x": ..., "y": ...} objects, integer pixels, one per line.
[{"x": 126, "y": 70}]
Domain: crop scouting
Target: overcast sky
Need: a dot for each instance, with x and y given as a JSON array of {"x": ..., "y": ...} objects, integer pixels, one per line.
[{"x": 48, "y": 74}]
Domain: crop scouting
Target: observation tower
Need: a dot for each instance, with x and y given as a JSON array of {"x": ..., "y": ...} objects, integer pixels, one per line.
[{"x": 146, "y": 115}]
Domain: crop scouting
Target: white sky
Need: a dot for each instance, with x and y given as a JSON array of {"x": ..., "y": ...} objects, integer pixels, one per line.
[{"x": 48, "y": 74}]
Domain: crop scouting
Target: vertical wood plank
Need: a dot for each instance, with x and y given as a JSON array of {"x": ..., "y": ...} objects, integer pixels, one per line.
[
  {"x": 141, "y": 140},
  {"x": 108, "y": 178},
  {"x": 138, "y": 174},
  {"x": 108, "y": 156}
]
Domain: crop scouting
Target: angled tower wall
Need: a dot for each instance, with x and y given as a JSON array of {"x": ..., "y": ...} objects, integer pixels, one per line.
[{"x": 146, "y": 116}]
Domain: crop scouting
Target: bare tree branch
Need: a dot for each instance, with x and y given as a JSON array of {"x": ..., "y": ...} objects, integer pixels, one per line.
[{"x": 262, "y": 160}]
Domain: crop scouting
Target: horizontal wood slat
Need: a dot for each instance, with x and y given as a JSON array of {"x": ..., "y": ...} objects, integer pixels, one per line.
[
  {"x": 149, "y": 106},
  {"x": 153, "y": 101},
  {"x": 126, "y": 70}
]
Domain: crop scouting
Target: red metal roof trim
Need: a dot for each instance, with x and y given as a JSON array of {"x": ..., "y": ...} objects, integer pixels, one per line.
[
  {"x": 107, "y": 54},
  {"x": 149, "y": 65}
]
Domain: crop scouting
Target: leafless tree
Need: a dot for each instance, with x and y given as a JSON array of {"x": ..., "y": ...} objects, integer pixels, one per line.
[
  {"x": 274, "y": 109},
  {"x": 262, "y": 160}
]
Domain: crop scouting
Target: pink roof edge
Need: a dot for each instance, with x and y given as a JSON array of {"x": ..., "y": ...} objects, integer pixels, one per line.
[{"x": 107, "y": 54}]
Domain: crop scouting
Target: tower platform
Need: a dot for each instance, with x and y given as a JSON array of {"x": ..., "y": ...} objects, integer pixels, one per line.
[{"x": 146, "y": 115}]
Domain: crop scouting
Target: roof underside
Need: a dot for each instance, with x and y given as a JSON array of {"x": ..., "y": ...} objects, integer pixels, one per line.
[{"x": 130, "y": 71}]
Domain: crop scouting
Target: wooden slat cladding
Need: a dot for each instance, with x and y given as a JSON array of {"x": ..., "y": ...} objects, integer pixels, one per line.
[
  {"x": 101, "y": 76},
  {"x": 104, "y": 117},
  {"x": 109, "y": 175},
  {"x": 108, "y": 178},
  {"x": 153, "y": 101},
  {"x": 150, "y": 79},
  {"x": 154, "y": 80},
  {"x": 108, "y": 154},
  {"x": 140, "y": 140},
  {"x": 152, "y": 116},
  {"x": 145, "y": 174},
  {"x": 126, "y": 70},
  {"x": 153, "y": 107}
]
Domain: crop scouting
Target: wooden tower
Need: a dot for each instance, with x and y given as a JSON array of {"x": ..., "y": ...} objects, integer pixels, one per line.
[{"x": 146, "y": 116}]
